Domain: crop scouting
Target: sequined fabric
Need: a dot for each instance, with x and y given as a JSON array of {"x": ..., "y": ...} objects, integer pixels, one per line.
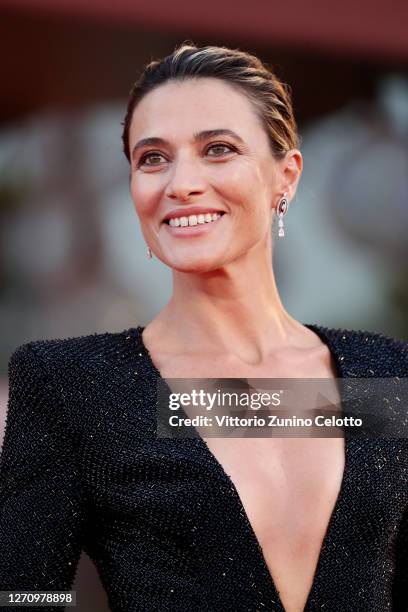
[{"x": 81, "y": 468}]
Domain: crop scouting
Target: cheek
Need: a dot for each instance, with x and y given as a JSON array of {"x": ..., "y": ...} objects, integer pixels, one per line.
[
  {"x": 238, "y": 177},
  {"x": 143, "y": 196},
  {"x": 245, "y": 186},
  {"x": 244, "y": 180}
]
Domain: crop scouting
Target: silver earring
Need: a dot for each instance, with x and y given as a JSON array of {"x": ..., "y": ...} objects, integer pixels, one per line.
[
  {"x": 149, "y": 252},
  {"x": 282, "y": 209}
]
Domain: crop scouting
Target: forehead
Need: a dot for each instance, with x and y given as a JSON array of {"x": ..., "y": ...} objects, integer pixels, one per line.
[{"x": 180, "y": 108}]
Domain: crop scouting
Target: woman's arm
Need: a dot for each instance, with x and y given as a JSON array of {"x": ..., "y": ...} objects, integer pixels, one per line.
[
  {"x": 400, "y": 587},
  {"x": 42, "y": 508}
]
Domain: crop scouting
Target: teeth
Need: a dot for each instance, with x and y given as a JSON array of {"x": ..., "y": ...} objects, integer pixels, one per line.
[{"x": 193, "y": 219}]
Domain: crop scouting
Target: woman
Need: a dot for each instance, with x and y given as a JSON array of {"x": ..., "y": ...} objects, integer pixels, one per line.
[{"x": 223, "y": 524}]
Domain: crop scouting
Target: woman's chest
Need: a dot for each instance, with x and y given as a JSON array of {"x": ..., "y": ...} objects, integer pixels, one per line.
[
  {"x": 193, "y": 501},
  {"x": 195, "y": 504},
  {"x": 288, "y": 488}
]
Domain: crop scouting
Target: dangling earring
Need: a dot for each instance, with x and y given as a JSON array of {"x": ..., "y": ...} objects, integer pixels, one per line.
[
  {"x": 149, "y": 252},
  {"x": 282, "y": 209}
]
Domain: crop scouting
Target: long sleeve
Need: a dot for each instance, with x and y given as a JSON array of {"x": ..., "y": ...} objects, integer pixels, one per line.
[
  {"x": 42, "y": 508},
  {"x": 400, "y": 587}
]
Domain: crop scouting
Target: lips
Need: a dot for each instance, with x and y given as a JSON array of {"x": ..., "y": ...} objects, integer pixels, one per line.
[
  {"x": 192, "y": 231},
  {"x": 167, "y": 221},
  {"x": 190, "y": 210}
]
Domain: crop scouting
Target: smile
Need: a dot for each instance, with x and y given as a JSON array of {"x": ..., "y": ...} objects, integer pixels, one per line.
[
  {"x": 193, "y": 220},
  {"x": 194, "y": 225}
]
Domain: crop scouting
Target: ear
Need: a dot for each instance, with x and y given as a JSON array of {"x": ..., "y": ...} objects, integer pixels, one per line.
[{"x": 290, "y": 170}]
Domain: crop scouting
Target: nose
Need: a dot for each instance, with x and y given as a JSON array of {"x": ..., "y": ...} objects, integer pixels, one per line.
[{"x": 186, "y": 180}]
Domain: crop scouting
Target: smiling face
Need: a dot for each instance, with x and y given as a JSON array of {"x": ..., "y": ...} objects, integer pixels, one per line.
[{"x": 206, "y": 151}]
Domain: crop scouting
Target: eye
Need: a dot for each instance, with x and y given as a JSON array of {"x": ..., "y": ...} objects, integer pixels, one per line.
[
  {"x": 220, "y": 145},
  {"x": 156, "y": 154},
  {"x": 146, "y": 156}
]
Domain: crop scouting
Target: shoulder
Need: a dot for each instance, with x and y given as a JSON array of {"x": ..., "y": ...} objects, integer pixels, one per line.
[
  {"x": 60, "y": 359},
  {"x": 76, "y": 348},
  {"x": 367, "y": 353}
]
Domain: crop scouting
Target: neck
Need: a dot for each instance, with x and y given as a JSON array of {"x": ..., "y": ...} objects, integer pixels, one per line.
[{"x": 234, "y": 309}]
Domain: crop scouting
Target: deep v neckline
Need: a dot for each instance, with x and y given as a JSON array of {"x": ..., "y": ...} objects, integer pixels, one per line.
[{"x": 328, "y": 538}]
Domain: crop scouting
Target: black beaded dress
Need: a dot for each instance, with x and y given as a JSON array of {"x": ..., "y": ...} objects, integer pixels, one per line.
[{"x": 83, "y": 469}]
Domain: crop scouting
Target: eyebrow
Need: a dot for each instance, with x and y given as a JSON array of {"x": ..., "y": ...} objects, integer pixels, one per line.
[{"x": 198, "y": 137}]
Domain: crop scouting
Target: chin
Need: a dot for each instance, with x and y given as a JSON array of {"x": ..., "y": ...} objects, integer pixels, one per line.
[{"x": 194, "y": 265}]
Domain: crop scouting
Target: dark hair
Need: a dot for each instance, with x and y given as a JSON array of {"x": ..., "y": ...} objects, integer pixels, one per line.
[{"x": 270, "y": 97}]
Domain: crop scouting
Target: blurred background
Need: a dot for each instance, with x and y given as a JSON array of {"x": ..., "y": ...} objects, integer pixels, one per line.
[{"x": 72, "y": 257}]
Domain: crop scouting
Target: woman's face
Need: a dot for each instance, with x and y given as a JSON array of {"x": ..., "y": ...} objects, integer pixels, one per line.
[{"x": 206, "y": 152}]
